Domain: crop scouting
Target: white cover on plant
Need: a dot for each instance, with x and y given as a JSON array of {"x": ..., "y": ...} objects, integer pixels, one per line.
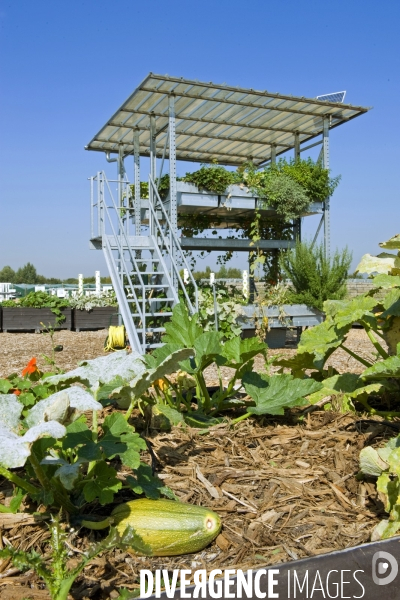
[
  {"x": 104, "y": 369},
  {"x": 15, "y": 449},
  {"x": 10, "y": 411},
  {"x": 61, "y": 406}
]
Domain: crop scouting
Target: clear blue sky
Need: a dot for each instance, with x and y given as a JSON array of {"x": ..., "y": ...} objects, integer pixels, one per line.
[{"x": 67, "y": 66}]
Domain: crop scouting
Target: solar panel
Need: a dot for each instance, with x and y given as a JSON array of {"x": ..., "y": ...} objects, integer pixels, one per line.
[{"x": 335, "y": 97}]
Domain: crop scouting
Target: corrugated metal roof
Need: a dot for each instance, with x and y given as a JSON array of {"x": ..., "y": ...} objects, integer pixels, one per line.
[{"x": 228, "y": 124}]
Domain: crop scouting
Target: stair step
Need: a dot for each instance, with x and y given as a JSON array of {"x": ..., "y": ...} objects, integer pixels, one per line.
[
  {"x": 152, "y": 286},
  {"x": 156, "y": 314},
  {"x": 151, "y": 329}
]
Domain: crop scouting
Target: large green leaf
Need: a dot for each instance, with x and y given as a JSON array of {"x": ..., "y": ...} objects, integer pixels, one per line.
[
  {"x": 174, "y": 416},
  {"x": 273, "y": 394},
  {"x": 392, "y": 244},
  {"x": 390, "y": 367},
  {"x": 138, "y": 386},
  {"x": 182, "y": 328},
  {"x": 120, "y": 439},
  {"x": 354, "y": 310},
  {"x": 321, "y": 341},
  {"x": 158, "y": 355},
  {"x": 299, "y": 363},
  {"x": 338, "y": 384},
  {"x": 103, "y": 369},
  {"x": 386, "y": 281},
  {"x": 391, "y": 303},
  {"x": 103, "y": 484},
  {"x": 144, "y": 482},
  {"x": 237, "y": 351}
]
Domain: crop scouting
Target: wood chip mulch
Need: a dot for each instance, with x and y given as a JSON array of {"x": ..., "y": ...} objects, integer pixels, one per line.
[{"x": 285, "y": 489}]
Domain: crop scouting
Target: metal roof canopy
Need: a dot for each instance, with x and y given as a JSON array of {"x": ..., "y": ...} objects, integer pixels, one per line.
[{"x": 229, "y": 124}]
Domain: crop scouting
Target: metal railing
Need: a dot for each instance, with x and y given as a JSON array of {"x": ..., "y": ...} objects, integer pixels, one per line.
[{"x": 170, "y": 241}]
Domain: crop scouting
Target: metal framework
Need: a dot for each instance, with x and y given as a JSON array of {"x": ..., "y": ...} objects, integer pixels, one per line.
[{"x": 169, "y": 118}]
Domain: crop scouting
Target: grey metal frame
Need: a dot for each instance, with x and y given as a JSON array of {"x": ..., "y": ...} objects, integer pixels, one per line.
[{"x": 195, "y": 121}]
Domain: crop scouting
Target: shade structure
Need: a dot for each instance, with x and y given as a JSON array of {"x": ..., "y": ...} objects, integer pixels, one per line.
[{"x": 230, "y": 125}]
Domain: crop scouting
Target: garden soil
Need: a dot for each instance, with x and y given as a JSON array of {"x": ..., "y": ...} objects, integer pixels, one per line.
[{"x": 285, "y": 487}]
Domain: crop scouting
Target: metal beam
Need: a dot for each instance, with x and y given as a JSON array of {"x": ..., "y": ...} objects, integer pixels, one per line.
[
  {"x": 228, "y": 88},
  {"x": 311, "y": 146},
  {"x": 310, "y": 113},
  {"x": 205, "y": 120},
  {"x": 236, "y": 245}
]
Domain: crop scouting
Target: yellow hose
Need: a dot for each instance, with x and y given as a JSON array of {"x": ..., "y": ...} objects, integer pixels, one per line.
[{"x": 115, "y": 339}]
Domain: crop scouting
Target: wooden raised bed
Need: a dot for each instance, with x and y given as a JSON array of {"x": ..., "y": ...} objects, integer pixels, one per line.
[
  {"x": 99, "y": 317},
  {"x": 28, "y": 319}
]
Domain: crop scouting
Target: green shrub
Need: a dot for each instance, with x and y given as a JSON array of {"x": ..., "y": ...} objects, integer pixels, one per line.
[{"x": 314, "y": 277}]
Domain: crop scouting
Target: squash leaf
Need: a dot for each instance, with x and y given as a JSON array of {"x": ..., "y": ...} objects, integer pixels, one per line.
[
  {"x": 103, "y": 369},
  {"x": 273, "y": 394}
]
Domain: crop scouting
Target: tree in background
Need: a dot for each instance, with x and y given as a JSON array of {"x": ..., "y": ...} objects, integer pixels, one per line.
[
  {"x": 26, "y": 274},
  {"x": 314, "y": 277},
  {"x": 7, "y": 275}
]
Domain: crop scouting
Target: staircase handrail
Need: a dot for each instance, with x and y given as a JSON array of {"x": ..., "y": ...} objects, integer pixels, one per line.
[
  {"x": 120, "y": 248},
  {"x": 175, "y": 239}
]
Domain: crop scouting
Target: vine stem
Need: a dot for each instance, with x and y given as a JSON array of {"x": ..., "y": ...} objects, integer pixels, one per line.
[
  {"x": 60, "y": 498},
  {"x": 376, "y": 344},
  {"x": 21, "y": 483},
  {"x": 203, "y": 387},
  {"x": 361, "y": 360},
  {"x": 242, "y": 418},
  {"x": 130, "y": 409}
]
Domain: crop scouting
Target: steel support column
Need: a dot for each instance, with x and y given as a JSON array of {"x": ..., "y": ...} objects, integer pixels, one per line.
[
  {"x": 172, "y": 165},
  {"x": 153, "y": 159},
  {"x": 297, "y": 222},
  {"x": 327, "y": 219},
  {"x": 137, "y": 203}
]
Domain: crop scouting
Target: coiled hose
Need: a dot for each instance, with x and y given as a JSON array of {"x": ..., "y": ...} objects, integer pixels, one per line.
[{"x": 115, "y": 339}]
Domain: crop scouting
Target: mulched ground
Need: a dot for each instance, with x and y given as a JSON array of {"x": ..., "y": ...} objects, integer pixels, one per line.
[
  {"x": 285, "y": 488},
  {"x": 284, "y": 491}
]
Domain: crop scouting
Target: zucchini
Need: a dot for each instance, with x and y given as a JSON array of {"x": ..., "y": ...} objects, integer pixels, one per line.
[{"x": 168, "y": 527}]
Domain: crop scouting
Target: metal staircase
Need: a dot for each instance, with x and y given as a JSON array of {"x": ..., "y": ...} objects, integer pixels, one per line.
[{"x": 143, "y": 261}]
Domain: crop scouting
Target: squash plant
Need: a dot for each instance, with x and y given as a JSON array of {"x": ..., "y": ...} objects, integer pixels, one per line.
[
  {"x": 68, "y": 462},
  {"x": 187, "y": 398},
  {"x": 378, "y": 311}
]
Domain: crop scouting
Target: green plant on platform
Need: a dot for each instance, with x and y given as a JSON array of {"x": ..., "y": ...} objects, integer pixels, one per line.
[
  {"x": 53, "y": 569},
  {"x": 212, "y": 178},
  {"x": 314, "y": 277}
]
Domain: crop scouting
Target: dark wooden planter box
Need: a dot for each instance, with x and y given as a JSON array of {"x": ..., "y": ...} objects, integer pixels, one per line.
[
  {"x": 28, "y": 319},
  {"x": 100, "y": 317}
]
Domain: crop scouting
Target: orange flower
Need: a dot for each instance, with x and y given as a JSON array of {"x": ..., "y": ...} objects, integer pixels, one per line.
[
  {"x": 30, "y": 368},
  {"x": 17, "y": 392}
]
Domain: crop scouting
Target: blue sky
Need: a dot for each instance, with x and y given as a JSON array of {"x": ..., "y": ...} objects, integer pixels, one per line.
[{"x": 67, "y": 66}]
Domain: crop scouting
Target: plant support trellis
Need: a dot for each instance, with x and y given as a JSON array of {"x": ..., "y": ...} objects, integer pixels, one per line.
[{"x": 169, "y": 119}]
